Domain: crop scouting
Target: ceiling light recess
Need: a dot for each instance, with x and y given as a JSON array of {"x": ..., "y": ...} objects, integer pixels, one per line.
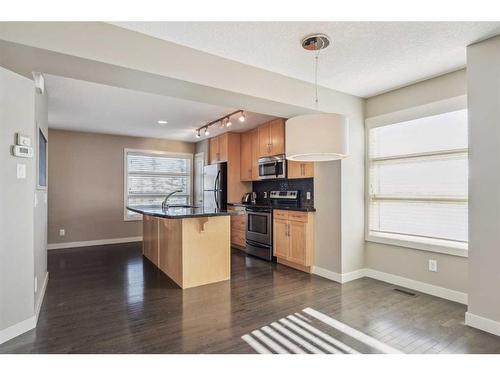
[
  {"x": 223, "y": 122},
  {"x": 162, "y": 122}
]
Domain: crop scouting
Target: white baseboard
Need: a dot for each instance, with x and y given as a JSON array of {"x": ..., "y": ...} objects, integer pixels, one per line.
[
  {"x": 420, "y": 286},
  {"x": 67, "y": 245},
  {"x": 338, "y": 277},
  {"x": 17, "y": 329},
  {"x": 484, "y": 324},
  {"x": 327, "y": 274},
  {"x": 42, "y": 295},
  {"x": 26, "y": 325}
]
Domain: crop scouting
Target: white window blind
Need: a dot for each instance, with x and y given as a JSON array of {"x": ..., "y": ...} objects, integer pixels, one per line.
[
  {"x": 418, "y": 180},
  {"x": 150, "y": 176}
]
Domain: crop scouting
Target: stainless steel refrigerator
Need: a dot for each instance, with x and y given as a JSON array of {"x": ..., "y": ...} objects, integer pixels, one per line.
[{"x": 215, "y": 186}]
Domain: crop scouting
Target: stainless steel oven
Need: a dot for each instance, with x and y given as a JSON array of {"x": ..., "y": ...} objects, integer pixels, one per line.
[
  {"x": 259, "y": 232},
  {"x": 272, "y": 167}
]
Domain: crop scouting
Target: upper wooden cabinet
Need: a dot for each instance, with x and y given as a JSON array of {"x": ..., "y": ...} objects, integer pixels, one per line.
[
  {"x": 218, "y": 148},
  {"x": 300, "y": 169},
  {"x": 227, "y": 148},
  {"x": 246, "y": 157},
  {"x": 254, "y": 137},
  {"x": 272, "y": 138}
]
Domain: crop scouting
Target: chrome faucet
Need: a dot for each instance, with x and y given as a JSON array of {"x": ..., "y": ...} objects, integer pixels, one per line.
[{"x": 164, "y": 204}]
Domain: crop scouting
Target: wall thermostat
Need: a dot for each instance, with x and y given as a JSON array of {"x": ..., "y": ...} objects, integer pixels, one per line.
[
  {"x": 22, "y": 151},
  {"x": 23, "y": 140}
]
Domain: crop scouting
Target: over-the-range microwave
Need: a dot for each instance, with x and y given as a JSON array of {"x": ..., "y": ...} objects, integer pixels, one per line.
[{"x": 272, "y": 167}]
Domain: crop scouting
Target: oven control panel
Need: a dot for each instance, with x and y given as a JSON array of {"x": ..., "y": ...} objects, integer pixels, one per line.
[{"x": 287, "y": 194}]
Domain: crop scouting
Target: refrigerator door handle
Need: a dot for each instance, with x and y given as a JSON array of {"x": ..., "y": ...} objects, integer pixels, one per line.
[{"x": 216, "y": 190}]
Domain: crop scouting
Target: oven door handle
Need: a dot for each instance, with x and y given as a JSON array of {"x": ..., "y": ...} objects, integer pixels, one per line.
[{"x": 258, "y": 244}]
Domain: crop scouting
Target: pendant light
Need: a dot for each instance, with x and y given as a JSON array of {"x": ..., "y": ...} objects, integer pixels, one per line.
[{"x": 317, "y": 137}]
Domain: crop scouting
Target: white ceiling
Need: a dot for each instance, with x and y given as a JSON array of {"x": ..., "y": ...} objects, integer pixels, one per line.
[
  {"x": 91, "y": 107},
  {"x": 367, "y": 58}
]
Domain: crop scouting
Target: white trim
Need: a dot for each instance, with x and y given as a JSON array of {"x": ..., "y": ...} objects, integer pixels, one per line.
[
  {"x": 412, "y": 243},
  {"x": 482, "y": 323},
  {"x": 17, "y": 329},
  {"x": 67, "y": 245},
  {"x": 327, "y": 274},
  {"x": 338, "y": 277},
  {"x": 453, "y": 104},
  {"x": 42, "y": 295},
  {"x": 434, "y": 290}
]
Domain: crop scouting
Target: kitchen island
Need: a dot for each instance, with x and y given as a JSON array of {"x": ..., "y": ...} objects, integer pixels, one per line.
[{"x": 190, "y": 245}]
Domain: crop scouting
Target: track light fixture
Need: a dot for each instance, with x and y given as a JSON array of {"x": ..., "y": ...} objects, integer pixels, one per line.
[{"x": 224, "y": 122}]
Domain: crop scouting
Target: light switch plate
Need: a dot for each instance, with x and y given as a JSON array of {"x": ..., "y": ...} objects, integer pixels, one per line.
[
  {"x": 308, "y": 195},
  {"x": 21, "y": 171}
]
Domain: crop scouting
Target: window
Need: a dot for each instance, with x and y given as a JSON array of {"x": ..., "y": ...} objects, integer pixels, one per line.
[
  {"x": 151, "y": 175},
  {"x": 417, "y": 182}
]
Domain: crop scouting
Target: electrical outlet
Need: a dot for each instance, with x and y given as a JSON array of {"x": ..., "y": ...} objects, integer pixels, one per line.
[
  {"x": 36, "y": 284},
  {"x": 433, "y": 265},
  {"x": 62, "y": 232},
  {"x": 308, "y": 195}
]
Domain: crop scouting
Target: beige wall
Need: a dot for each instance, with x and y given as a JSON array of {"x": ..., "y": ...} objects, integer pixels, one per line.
[
  {"x": 407, "y": 262},
  {"x": 483, "y": 78},
  {"x": 86, "y": 184}
]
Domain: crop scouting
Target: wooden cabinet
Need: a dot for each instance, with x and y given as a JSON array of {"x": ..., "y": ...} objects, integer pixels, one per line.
[
  {"x": 250, "y": 155},
  {"x": 238, "y": 226},
  {"x": 218, "y": 148},
  {"x": 246, "y": 157},
  {"x": 294, "y": 238},
  {"x": 150, "y": 245},
  {"x": 299, "y": 169},
  {"x": 281, "y": 239},
  {"x": 272, "y": 138},
  {"x": 254, "y": 138},
  {"x": 227, "y": 148}
]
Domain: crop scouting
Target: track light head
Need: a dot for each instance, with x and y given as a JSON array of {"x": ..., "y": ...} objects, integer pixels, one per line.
[{"x": 242, "y": 117}]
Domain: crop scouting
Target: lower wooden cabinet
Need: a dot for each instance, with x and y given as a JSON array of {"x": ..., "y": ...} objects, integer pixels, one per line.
[
  {"x": 238, "y": 226},
  {"x": 150, "y": 244},
  {"x": 294, "y": 238},
  {"x": 300, "y": 169}
]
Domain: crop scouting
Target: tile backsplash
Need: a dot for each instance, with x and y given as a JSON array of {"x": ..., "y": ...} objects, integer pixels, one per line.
[{"x": 303, "y": 185}]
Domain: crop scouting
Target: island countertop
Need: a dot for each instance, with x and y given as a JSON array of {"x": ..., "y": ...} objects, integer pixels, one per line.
[{"x": 177, "y": 212}]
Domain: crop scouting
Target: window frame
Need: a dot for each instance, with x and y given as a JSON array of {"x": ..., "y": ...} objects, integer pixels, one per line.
[
  {"x": 126, "y": 151},
  {"x": 408, "y": 241}
]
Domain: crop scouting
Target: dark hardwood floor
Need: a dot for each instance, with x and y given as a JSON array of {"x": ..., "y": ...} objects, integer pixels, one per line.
[{"x": 109, "y": 299}]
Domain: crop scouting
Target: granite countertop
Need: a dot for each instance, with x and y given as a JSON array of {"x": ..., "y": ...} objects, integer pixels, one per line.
[
  {"x": 177, "y": 212},
  {"x": 276, "y": 207}
]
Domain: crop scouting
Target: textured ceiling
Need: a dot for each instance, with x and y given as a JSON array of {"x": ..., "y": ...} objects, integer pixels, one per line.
[
  {"x": 85, "y": 106},
  {"x": 366, "y": 58}
]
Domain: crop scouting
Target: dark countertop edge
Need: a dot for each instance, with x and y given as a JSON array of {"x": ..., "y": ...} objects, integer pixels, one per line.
[
  {"x": 286, "y": 208},
  {"x": 187, "y": 216}
]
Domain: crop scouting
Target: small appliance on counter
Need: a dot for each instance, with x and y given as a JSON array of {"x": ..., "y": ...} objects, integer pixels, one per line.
[
  {"x": 249, "y": 198},
  {"x": 259, "y": 233}
]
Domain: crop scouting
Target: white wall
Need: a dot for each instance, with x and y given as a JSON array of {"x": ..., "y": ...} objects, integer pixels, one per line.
[
  {"x": 16, "y": 205},
  {"x": 483, "y": 79},
  {"x": 407, "y": 262}
]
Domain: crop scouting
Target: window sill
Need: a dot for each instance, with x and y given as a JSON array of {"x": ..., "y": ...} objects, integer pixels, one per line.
[{"x": 435, "y": 246}]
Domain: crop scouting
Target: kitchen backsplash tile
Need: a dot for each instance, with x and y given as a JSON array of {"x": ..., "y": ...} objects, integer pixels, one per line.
[{"x": 303, "y": 185}]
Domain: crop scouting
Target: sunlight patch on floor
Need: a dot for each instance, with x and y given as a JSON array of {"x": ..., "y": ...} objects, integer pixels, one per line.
[{"x": 301, "y": 334}]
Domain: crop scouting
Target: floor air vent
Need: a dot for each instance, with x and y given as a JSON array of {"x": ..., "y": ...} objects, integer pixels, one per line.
[{"x": 405, "y": 292}]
